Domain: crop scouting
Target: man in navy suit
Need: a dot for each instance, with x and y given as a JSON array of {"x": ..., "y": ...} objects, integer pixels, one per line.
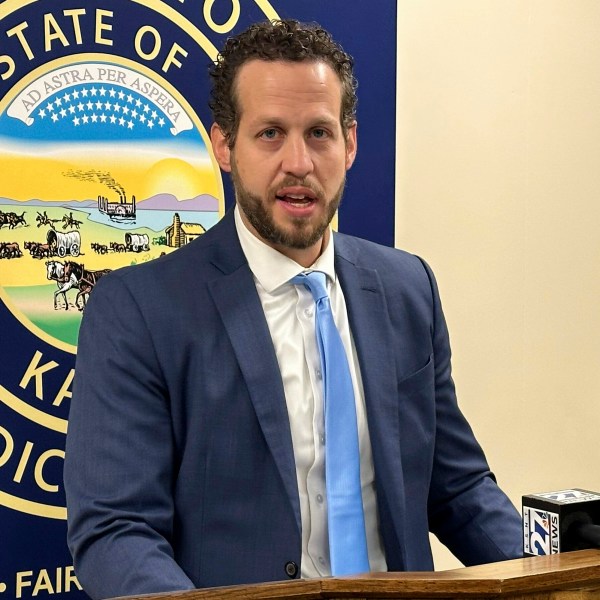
[{"x": 195, "y": 453}]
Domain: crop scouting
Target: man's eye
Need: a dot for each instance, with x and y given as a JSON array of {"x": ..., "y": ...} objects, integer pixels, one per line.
[
  {"x": 269, "y": 134},
  {"x": 319, "y": 133}
]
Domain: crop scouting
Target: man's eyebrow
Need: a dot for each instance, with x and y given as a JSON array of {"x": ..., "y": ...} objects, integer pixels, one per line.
[
  {"x": 329, "y": 121},
  {"x": 273, "y": 121},
  {"x": 267, "y": 121}
]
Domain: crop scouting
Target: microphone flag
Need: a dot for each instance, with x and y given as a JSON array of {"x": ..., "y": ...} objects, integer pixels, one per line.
[{"x": 560, "y": 521}]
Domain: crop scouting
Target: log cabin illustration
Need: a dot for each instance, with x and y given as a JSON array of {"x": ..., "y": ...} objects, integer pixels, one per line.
[{"x": 178, "y": 234}]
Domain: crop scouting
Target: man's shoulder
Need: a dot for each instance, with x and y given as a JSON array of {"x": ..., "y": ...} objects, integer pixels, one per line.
[{"x": 406, "y": 279}]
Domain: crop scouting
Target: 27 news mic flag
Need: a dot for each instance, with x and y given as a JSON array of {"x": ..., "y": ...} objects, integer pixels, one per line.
[{"x": 560, "y": 521}]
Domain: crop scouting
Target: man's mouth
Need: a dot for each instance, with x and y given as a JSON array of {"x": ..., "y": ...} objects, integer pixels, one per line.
[{"x": 296, "y": 198}]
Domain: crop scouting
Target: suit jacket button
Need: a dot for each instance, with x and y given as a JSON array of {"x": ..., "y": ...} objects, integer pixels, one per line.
[{"x": 291, "y": 569}]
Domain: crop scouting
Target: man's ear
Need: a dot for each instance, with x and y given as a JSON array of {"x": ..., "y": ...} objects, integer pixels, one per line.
[
  {"x": 351, "y": 145},
  {"x": 220, "y": 147}
]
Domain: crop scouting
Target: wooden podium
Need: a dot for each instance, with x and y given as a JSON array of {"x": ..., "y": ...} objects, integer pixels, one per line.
[{"x": 569, "y": 576}]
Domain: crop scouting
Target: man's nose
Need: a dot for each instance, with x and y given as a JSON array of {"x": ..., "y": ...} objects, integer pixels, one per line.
[{"x": 296, "y": 157}]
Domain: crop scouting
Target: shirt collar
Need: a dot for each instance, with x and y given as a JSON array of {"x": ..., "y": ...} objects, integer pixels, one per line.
[{"x": 271, "y": 268}]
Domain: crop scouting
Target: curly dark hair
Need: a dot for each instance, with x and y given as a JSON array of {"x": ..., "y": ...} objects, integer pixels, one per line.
[{"x": 287, "y": 40}]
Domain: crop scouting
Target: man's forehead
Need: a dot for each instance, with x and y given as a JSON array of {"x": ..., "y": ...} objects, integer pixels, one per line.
[
  {"x": 255, "y": 71},
  {"x": 284, "y": 63},
  {"x": 270, "y": 87}
]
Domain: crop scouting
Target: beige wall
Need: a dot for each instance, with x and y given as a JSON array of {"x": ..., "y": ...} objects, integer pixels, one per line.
[{"x": 498, "y": 187}]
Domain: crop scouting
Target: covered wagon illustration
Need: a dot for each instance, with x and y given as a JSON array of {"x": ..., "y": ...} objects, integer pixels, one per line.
[
  {"x": 137, "y": 242},
  {"x": 62, "y": 244}
]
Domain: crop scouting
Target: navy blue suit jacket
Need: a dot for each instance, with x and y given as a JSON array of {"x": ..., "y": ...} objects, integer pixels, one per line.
[{"x": 179, "y": 466}]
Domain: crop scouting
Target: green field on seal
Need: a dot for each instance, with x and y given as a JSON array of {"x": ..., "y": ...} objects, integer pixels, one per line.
[{"x": 36, "y": 303}]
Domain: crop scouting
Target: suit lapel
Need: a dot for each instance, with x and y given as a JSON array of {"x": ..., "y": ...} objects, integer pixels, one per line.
[
  {"x": 238, "y": 304},
  {"x": 372, "y": 332}
]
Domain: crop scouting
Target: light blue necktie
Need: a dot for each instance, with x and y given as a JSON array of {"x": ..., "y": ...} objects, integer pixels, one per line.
[{"x": 346, "y": 521}]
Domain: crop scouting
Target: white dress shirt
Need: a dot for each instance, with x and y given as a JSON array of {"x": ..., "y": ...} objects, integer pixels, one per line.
[{"x": 290, "y": 314}]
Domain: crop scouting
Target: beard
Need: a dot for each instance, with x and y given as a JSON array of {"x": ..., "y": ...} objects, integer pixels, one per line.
[{"x": 301, "y": 233}]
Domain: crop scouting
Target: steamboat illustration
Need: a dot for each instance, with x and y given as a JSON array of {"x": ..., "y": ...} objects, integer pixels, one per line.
[{"x": 121, "y": 209}]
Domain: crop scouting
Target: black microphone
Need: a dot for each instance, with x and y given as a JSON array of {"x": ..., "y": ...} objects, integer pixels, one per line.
[{"x": 560, "y": 521}]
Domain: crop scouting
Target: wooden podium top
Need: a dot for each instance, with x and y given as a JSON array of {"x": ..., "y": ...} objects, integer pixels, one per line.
[{"x": 572, "y": 576}]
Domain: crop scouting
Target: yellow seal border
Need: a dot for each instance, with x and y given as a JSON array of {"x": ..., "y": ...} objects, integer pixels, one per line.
[
  {"x": 33, "y": 508},
  {"x": 33, "y": 414}
]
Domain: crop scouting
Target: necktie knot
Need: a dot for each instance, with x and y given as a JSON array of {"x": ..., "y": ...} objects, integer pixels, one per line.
[{"x": 315, "y": 282}]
